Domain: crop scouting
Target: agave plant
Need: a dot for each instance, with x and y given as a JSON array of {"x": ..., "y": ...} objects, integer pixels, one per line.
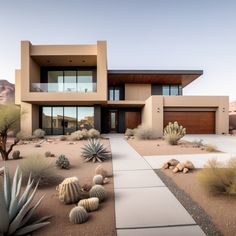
[
  {"x": 95, "y": 151},
  {"x": 16, "y": 208}
]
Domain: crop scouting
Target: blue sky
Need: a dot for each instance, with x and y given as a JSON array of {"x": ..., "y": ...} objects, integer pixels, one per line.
[{"x": 167, "y": 34}]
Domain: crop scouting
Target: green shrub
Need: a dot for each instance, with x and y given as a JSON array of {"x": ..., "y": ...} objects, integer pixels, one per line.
[
  {"x": 40, "y": 168},
  {"x": 16, "y": 155},
  {"x": 63, "y": 162},
  {"x": 17, "y": 210},
  {"x": 39, "y": 133},
  {"x": 219, "y": 178},
  {"x": 95, "y": 151},
  {"x": 173, "y": 132},
  {"x": 143, "y": 132}
]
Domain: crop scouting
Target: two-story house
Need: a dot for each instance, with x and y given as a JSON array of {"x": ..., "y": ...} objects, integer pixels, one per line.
[{"x": 63, "y": 88}]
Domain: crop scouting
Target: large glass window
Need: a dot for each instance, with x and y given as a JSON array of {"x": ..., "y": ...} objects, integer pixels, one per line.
[
  {"x": 70, "y": 81},
  {"x": 55, "y": 81},
  {"x": 85, "y": 81},
  {"x": 46, "y": 120},
  {"x": 70, "y": 124},
  {"x": 174, "y": 90},
  {"x": 165, "y": 90},
  {"x": 57, "y": 120},
  {"x": 67, "y": 119}
]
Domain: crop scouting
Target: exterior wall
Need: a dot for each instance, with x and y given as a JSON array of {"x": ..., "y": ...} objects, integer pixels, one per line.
[
  {"x": 137, "y": 92},
  {"x": 30, "y": 71},
  {"x": 153, "y": 111},
  {"x": 30, "y": 118},
  {"x": 17, "y": 87}
]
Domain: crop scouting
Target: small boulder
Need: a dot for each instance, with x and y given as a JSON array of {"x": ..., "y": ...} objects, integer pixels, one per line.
[
  {"x": 173, "y": 162},
  {"x": 175, "y": 170},
  {"x": 188, "y": 164},
  {"x": 185, "y": 170},
  {"x": 171, "y": 167},
  {"x": 180, "y": 166},
  {"x": 165, "y": 165}
]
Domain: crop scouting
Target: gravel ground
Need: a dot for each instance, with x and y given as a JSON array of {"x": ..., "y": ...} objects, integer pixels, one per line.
[{"x": 198, "y": 214}]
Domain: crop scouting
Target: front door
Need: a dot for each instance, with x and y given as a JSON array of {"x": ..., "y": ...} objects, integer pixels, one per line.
[{"x": 113, "y": 121}]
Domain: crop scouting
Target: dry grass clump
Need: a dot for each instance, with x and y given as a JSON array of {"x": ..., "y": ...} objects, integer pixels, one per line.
[
  {"x": 39, "y": 133},
  {"x": 129, "y": 132},
  {"x": 40, "y": 168},
  {"x": 93, "y": 133},
  {"x": 218, "y": 177},
  {"x": 210, "y": 148},
  {"x": 145, "y": 133},
  {"x": 85, "y": 134}
]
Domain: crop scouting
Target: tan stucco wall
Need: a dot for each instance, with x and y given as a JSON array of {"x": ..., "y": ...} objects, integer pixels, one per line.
[
  {"x": 153, "y": 111},
  {"x": 138, "y": 92},
  {"x": 30, "y": 71},
  {"x": 30, "y": 118},
  {"x": 17, "y": 87}
]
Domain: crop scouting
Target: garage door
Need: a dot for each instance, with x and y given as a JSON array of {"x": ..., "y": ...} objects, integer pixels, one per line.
[{"x": 195, "y": 122}]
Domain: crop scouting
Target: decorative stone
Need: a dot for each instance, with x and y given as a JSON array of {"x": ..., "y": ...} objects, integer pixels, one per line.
[
  {"x": 188, "y": 164},
  {"x": 180, "y": 166},
  {"x": 175, "y": 170},
  {"x": 165, "y": 165},
  {"x": 173, "y": 162},
  {"x": 185, "y": 170}
]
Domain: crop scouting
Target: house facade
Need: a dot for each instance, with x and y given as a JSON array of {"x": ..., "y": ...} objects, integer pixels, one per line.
[{"x": 63, "y": 88}]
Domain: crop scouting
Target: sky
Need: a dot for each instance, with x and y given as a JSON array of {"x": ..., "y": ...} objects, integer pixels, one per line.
[{"x": 141, "y": 34}]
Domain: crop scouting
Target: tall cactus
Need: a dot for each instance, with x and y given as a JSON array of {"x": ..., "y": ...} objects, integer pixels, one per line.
[
  {"x": 173, "y": 132},
  {"x": 16, "y": 207}
]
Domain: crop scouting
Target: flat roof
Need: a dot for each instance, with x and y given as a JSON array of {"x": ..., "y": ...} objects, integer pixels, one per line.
[{"x": 184, "y": 77}]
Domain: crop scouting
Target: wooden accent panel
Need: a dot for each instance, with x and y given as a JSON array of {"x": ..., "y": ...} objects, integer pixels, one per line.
[
  {"x": 195, "y": 122},
  {"x": 132, "y": 119}
]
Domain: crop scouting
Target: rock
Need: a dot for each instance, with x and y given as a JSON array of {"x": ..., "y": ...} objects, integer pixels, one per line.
[
  {"x": 127, "y": 137},
  {"x": 101, "y": 171},
  {"x": 188, "y": 164},
  {"x": 180, "y": 166},
  {"x": 106, "y": 181},
  {"x": 175, "y": 170},
  {"x": 185, "y": 170},
  {"x": 164, "y": 165},
  {"x": 173, "y": 162},
  {"x": 171, "y": 167}
]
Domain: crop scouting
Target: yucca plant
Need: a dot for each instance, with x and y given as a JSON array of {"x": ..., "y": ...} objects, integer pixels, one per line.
[
  {"x": 16, "y": 209},
  {"x": 95, "y": 151}
]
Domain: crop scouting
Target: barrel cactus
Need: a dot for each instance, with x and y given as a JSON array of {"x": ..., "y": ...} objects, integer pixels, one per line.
[
  {"x": 173, "y": 132},
  {"x": 63, "y": 162},
  {"x": 90, "y": 204},
  {"x": 95, "y": 151},
  {"x": 16, "y": 206},
  {"x": 16, "y": 155},
  {"x": 99, "y": 192},
  {"x": 98, "y": 179},
  {"x": 69, "y": 190},
  {"x": 78, "y": 215}
]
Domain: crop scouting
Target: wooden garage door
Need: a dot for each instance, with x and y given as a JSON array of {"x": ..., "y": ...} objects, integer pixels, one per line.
[
  {"x": 195, "y": 122},
  {"x": 132, "y": 119}
]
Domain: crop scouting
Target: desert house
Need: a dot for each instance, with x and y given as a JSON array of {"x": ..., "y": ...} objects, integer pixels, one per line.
[{"x": 64, "y": 88}]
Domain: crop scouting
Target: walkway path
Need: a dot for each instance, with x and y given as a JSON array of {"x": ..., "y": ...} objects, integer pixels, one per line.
[{"x": 144, "y": 206}]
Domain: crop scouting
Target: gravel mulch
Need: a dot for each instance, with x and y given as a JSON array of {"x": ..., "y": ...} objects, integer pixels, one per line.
[{"x": 198, "y": 214}]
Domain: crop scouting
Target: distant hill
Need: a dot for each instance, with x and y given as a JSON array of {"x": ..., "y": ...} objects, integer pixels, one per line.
[{"x": 7, "y": 92}]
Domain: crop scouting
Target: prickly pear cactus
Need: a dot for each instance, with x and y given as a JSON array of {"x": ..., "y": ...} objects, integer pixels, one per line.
[
  {"x": 69, "y": 190},
  {"x": 98, "y": 179},
  {"x": 90, "y": 204},
  {"x": 173, "y": 132},
  {"x": 78, "y": 215},
  {"x": 99, "y": 192}
]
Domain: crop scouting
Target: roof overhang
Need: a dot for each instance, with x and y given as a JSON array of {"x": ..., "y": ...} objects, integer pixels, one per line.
[{"x": 183, "y": 77}]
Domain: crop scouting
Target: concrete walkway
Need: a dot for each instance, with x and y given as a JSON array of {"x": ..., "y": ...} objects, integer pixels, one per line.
[{"x": 144, "y": 206}]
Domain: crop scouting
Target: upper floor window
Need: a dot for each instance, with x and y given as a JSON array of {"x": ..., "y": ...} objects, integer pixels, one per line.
[
  {"x": 115, "y": 93},
  {"x": 171, "y": 90}
]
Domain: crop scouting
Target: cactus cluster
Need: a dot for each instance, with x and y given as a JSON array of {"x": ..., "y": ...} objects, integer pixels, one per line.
[
  {"x": 173, "y": 132},
  {"x": 90, "y": 204},
  {"x": 95, "y": 151},
  {"x": 78, "y": 215},
  {"x": 63, "y": 162},
  {"x": 69, "y": 190},
  {"x": 99, "y": 192},
  {"x": 16, "y": 207}
]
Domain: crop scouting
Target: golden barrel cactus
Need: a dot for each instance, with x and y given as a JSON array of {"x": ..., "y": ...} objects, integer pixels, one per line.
[{"x": 90, "y": 204}]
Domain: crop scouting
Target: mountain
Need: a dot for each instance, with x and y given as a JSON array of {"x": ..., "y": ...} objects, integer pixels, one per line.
[{"x": 7, "y": 92}]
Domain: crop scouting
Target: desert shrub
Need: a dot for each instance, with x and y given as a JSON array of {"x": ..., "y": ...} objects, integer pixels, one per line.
[
  {"x": 198, "y": 143},
  {"x": 48, "y": 154},
  {"x": 63, "y": 138},
  {"x": 79, "y": 134},
  {"x": 173, "y": 132},
  {"x": 63, "y": 162},
  {"x": 40, "y": 168},
  {"x": 39, "y": 133},
  {"x": 143, "y": 132},
  {"x": 210, "y": 148},
  {"x": 95, "y": 151},
  {"x": 16, "y": 155},
  {"x": 93, "y": 133},
  {"x": 218, "y": 177},
  {"x": 129, "y": 132}
]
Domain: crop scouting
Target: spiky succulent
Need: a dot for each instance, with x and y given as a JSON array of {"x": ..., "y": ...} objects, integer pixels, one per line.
[
  {"x": 95, "y": 151},
  {"x": 63, "y": 162},
  {"x": 16, "y": 208}
]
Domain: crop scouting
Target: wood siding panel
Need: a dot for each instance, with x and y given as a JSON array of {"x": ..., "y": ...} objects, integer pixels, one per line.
[
  {"x": 195, "y": 122},
  {"x": 132, "y": 119}
]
